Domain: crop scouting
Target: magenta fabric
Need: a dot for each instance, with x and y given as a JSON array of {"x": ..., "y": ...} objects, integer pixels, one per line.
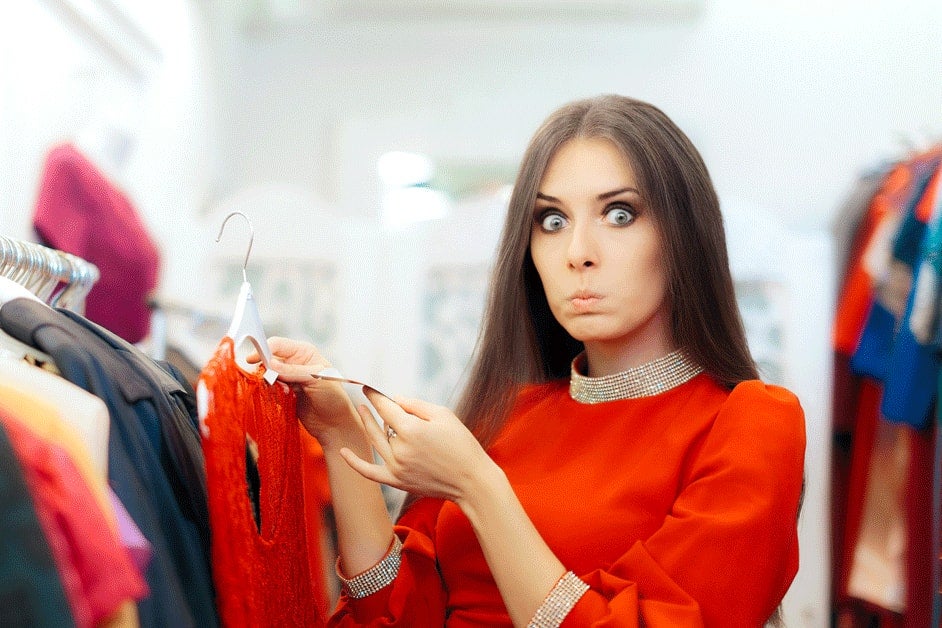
[{"x": 79, "y": 211}]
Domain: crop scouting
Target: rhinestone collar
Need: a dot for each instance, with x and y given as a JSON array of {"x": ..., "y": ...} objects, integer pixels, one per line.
[{"x": 646, "y": 380}]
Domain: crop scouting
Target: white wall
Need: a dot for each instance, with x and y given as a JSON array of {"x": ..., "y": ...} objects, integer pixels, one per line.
[{"x": 784, "y": 99}]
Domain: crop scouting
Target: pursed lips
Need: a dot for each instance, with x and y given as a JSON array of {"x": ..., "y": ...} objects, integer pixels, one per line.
[{"x": 583, "y": 300}]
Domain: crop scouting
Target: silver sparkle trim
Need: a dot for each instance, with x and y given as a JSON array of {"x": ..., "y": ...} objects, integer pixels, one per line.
[
  {"x": 377, "y": 577},
  {"x": 649, "y": 379},
  {"x": 559, "y": 602}
]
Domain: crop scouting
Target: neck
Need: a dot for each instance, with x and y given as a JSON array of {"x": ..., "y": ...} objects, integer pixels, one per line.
[{"x": 604, "y": 360}]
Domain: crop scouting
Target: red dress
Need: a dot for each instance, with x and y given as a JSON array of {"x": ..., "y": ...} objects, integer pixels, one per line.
[
  {"x": 678, "y": 510},
  {"x": 262, "y": 577}
]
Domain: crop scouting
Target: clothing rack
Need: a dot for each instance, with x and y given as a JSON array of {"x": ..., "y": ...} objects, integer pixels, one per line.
[
  {"x": 887, "y": 449},
  {"x": 58, "y": 278}
]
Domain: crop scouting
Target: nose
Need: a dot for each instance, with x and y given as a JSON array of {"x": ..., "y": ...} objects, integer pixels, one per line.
[{"x": 583, "y": 248}]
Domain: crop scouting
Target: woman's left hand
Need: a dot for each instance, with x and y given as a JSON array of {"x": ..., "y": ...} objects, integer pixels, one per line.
[{"x": 426, "y": 449}]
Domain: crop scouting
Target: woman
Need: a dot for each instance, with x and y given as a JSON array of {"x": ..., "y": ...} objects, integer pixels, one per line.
[{"x": 618, "y": 462}]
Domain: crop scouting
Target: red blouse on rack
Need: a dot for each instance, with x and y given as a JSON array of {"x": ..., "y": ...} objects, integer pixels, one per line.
[{"x": 262, "y": 576}]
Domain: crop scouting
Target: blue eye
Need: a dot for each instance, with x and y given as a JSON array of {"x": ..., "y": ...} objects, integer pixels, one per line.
[
  {"x": 619, "y": 216},
  {"x": 552, "y": 222}
]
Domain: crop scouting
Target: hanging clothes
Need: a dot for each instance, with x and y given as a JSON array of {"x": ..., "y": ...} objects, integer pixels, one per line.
[
  {"x": 174, "y": 402},
  {"x": 80, "y": 211},
  {"x": 260, "y": 560},
  {"x": 100, "y": 581},
  {"x": 146, "y": 445},
  {"x": 886, "y": 372},
  {"x": 31, "y": 592}
]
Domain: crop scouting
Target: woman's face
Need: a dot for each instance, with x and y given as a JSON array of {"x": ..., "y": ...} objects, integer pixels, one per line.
[{"x": 598, "y": 253}]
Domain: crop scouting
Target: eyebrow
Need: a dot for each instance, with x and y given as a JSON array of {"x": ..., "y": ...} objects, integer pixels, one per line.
[{"x": 601, "y": 197}]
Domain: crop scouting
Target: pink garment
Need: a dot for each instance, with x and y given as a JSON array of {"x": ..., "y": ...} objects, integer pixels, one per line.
[
  {"x": 79, "y": 211},
  {"x": 96, "y": 571},
  {"x": 132, "y": 539}
]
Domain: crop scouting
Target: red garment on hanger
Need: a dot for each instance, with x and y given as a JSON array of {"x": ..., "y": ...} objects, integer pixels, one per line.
[
  {"x": 79, "y": 211},
  {"x": 262, "y": 577}
]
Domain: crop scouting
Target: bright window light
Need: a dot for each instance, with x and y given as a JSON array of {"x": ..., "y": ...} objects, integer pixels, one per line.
[
  {"x": 405, "y": 206},
  {"x": 398, "y": 169}
]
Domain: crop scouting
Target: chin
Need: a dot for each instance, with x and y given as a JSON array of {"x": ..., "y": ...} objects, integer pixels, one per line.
[{"x": 589, "y": 333}]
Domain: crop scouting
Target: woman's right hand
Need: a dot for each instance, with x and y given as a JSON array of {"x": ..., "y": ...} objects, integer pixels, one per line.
[{"x": 324, "y": 408}]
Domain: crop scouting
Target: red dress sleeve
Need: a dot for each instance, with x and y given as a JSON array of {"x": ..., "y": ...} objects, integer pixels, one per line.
[
  {"x": 417, "y": 596},
  {"x": 728, "y": 550}
]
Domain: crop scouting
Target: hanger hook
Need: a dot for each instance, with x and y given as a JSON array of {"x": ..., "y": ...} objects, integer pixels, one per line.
[{"x": 251, "y": 239}]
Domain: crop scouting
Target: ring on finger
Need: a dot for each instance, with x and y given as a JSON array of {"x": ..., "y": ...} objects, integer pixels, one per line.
[{"x": 390, "y": 433}]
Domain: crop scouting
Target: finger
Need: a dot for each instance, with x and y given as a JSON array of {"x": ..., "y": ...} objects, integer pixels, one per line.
[
  {"x": 375, "y": 434},
  {"x": 376, "y": 472},
  {"x": 288, "y": 348},
  {"x": 420, "y": 408},
  {"x": 391, "y": 413},
  {"x": 297, "y": 373}
]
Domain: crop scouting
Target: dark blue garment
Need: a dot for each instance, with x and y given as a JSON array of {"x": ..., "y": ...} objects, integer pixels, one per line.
[
  {"x": 141, "y": 466},
  {"x": 912, "y": 374},
  {"x": 31, "y": 592},
  {"x": 175, "y": 432},
  {"x": 872, "y": 356},
  {"x": 876, "y": 342},
  {"x": 914, "y": 365}
]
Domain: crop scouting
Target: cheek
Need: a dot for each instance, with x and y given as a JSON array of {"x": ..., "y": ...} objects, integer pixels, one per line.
[
  {"x": 651, "y": 257},
  {"x": 541, "y": 261},
  {"x": 646, "y": 274}
]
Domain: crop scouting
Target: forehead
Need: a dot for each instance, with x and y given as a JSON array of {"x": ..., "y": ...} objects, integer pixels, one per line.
[{"x": 587, "y": 164}]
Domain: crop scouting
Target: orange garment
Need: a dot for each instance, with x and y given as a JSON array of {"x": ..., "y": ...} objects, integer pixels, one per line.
[
  {"x": 262, "y": 577},
  {"x": 677, "y": 510},
  {"x": 42, "y": 418}
]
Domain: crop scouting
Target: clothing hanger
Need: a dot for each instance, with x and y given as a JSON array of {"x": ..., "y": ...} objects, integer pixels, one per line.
[
  {"x": 246, "y": 322},
  {"x": 30, "y": 271},
  {"x": 9, "y": 345},
  {"x": 57, "y": 278}
]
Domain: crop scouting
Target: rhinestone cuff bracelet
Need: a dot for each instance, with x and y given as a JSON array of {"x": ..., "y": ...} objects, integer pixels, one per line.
[
  {"x": 646, "y": 380},
  {"x": 559, "y": 602},
  {"x": 376, "y": 577}
]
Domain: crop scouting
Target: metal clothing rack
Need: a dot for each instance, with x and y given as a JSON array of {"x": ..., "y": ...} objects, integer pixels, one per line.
[{"x": 58, "y": 278}]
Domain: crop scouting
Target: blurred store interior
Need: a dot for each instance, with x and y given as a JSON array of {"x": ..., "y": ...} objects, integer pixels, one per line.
[{"x": 372, "y": 145}]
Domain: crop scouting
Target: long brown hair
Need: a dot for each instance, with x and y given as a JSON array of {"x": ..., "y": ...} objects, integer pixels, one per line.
[{"x": 521, "y": 342}]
